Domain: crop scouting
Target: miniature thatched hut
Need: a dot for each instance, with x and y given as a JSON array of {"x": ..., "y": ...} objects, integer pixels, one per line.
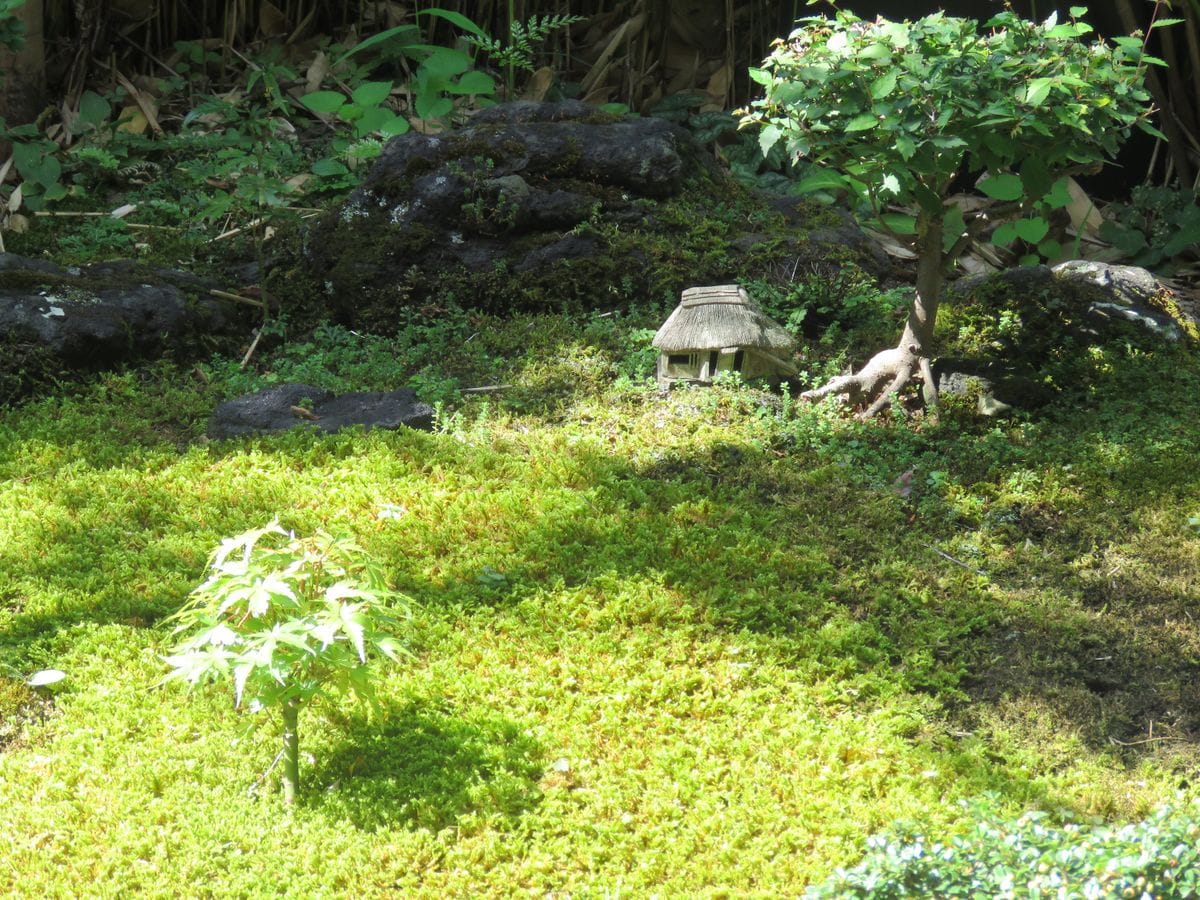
[{"x": 719, "y": 329}]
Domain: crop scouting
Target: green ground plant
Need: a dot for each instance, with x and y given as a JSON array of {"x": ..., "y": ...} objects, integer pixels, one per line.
[
  {"x": 1032, "y": 856},
  {"x": 712, "y": 640},
  {"x": 287, "y": 620},
  {"x": 1155, "y": 226}
]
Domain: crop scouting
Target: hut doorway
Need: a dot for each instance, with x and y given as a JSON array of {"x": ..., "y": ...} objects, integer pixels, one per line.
[{"x": 729, "y": 361}]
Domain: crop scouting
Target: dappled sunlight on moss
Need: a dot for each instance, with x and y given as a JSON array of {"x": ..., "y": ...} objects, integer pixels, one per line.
[{"x": 662, "y": 641}]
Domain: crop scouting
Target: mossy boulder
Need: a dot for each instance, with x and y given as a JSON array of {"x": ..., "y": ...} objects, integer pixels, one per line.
[
  {"x": 58, "y": 321},
  {"x": 537, "y": 206},
  {"x": 1019, "y": 337}
]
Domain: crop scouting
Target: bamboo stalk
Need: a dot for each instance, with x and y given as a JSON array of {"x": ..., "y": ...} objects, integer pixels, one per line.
[
  {"x": 237, "y": 298},
  {"x": 1170, "y": 125}
]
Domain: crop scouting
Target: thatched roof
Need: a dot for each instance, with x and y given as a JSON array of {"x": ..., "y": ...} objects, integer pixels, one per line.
[{"x": 718, "y": 318}]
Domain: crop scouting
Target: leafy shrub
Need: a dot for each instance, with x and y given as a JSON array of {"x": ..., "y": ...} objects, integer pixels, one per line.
[
  {"x": 847, "y": 298},
  {"x": 1157, "y": 224},
  {"x": 286, "y": 623},
  {"x": 1030, "y": 857}
]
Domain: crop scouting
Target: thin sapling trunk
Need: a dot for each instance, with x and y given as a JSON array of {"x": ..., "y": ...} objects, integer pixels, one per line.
[
  {"x": 291, "y": 751},
  {"x": 889, "y": 371}
]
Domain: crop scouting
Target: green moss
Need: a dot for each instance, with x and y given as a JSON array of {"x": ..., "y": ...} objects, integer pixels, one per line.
[
  {"x": 20, "y": 706},
  {"x": 1166, "y": 301}
]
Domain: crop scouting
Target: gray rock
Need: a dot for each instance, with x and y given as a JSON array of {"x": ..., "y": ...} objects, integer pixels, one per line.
[
  {"x": 92, "y": 317},
  {"x": 1127, "y": 295},
  {"x": 998, "y": 388},
  {"x": 547, "y": 205},
  {"x": 293, "y": 405},
  {"x": 502, "y": 195},
  {"x": 1111, "y": 294}
]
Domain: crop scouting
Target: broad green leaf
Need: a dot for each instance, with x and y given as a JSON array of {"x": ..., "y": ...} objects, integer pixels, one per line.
[
  {"x": 768, "y": 136},
  {"x": 1163, "y": 23},
  {"x": 327, "y": 167},
  {"x": 820, "y": 180},
  {"x": 394, "y": 126},
  {"x": 1151, "y": 130},
  {"x": 37, "y": 163},
  {"x": 1004, "y": 186},
  {"x": 446, "y": 62},
  {"x": 1187, "y": 239},
  {"x": 947, "y": 142},
  {"x": 1004, "y": 235},
  {"x": 94, "y": 110},
  {"x": 1059, "y": 195},
  {"x": 906, "y": 146},
  {"x": 457, "y": 19},
  {"x": 350, "y": 113},
  {"x": 371, "y": 93},
  {"x": 864, "y": 122},
  {"x": 372, "y": 120},
  {"x": 1078, "y": 12},
  {"x": 430, "y": 105},
  {"x": 475, "y": 82},
  {"x": 899, "y": 223},
  {"x": 1050, "y": 249},
  {"x": 884, "y": 85},
  {"x": 1038, "y": 90},
  {"x": 1031, "y": 230},
  {"x": 323, "y": 101},
  {"x": 1069, "y": 30},
  {"x": 760, "y": 76}
]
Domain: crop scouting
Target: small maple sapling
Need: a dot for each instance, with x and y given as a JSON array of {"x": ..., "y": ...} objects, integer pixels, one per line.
[{"x": 287, "y": 620}]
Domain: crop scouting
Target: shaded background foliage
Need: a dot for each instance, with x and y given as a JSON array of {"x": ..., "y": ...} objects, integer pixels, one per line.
[{"x": 631, "y": 51}]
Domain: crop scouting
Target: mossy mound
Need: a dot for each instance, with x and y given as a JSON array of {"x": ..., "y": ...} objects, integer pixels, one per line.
[
  {"x": 537, "y": 207},
  {"x": 1030, "y": 328}
]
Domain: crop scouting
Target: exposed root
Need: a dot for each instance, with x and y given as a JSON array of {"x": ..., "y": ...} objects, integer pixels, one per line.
[{"x": 885, "y": 374}]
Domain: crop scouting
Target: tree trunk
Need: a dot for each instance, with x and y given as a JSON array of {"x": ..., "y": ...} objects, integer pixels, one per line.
[
  {"x": 23, "y": 71},
  {"x": 890, "y": 370},
  {"x": 291, "y": 751}
]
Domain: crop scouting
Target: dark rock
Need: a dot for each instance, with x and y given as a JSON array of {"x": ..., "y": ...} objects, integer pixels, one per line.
[
  {"x": 540, "y": 205},
  {"x": 1100, "y": 294},
  {"x": 573, "y": 246},
  {"x": 291, "y": 405},
  {"x": 522, "y": 111},
  {"x": 1024, "y": 331},
  {"x": 997, "y": 387},
  {"x": 1127, "y": 295},
  {"x": 88, "y": 318}
]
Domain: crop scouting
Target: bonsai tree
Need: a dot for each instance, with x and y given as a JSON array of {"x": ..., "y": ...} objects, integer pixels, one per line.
[
  {"x": 900, "y": 111},
  {"x": 287, "y": 620}
]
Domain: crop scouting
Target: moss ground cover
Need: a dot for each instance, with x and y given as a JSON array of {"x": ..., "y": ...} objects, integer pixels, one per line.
[{"x": 688, "y": 644}]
